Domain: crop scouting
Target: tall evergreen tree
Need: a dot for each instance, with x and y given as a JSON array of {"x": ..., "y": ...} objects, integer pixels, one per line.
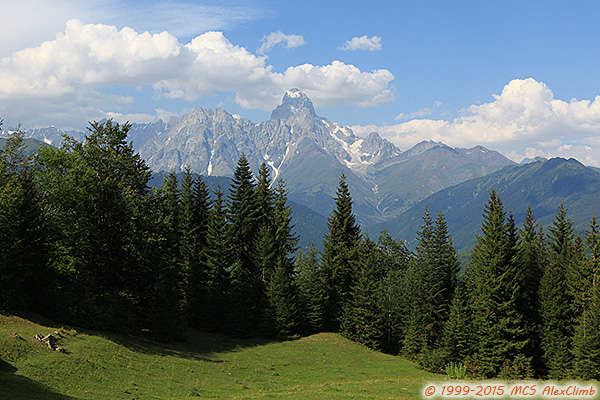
[
  {"x": 556, "y": 299},
  {"x": 586, "y": 342},
  {"x": 421, "y": 283},
  {"x": 193, "y": 220},
  {"x": 311, "y": 290},
  {"x": 457, "y": 339},
  {"x": 529, "y": 260},
  {"x": 218, "y": 263},
  {"x": 394, "y": 257},
  {"x": 23, "y": 257},
  {"x": 340, "y": 256},
  {"x": 432, "y": 283},
  {"x": 499, "y": 334},
  {"x": 362, "y": 317},
  {"x": 264, "y": 246},
  {"x": 247, "y": 285},
  {"x": 281, "y": 310}
]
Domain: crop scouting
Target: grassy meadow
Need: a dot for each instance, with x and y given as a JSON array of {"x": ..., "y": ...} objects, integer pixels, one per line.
[{"x": 110, "y": 366}]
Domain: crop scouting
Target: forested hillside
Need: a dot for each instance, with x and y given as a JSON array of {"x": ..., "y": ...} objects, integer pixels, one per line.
[{"x": 86, "y": 241}]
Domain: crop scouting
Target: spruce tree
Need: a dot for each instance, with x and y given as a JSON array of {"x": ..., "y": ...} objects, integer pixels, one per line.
[
  {"x": 264, "y": 245},
  {"x": 193, "y": 220},
  {"x": 246, "y": 278},
  {"x": 529, "y": 260},
  {"x": 311, "y": 290},
  {"x": 499, "y": 334},
  {"x": 24, "y": 276},
  {"x": 281, "y": 310},
  {"x": 556, "y": 299},
  {"x": 586, "y": 342},
  {"x": 340, "y": 256},
  {"x": 457, "y": 337},
  {"x": 362, "y": 319},
  {"x": 421, "y": 282},
  {"x": 218, "y": 264},
  {"x": 394, "y": 257}
]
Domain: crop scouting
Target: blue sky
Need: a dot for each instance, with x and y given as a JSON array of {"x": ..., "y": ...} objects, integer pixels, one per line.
[{"x": 520, "y": 77}]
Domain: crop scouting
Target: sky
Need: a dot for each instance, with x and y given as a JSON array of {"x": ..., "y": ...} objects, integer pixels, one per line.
[{"x": 520, "y": 77}]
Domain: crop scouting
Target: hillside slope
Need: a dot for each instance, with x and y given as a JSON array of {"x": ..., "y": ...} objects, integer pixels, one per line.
[
  {"x": 323, "y": 366},
  {"x": 541, "y": 184}
]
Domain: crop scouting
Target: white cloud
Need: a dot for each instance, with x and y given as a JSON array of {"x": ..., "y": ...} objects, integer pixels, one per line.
[
  {"x": 27, "y": 23},
  {"x": 275, "y": 38},
  {"x": 372, "y": 43},
  {"x": 86, "y": 59},
  {"x": 525, "y": 116}
]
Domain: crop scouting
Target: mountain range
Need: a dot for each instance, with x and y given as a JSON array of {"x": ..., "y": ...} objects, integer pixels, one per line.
[
  {"x": 540, "y": 184},
  {"x": 390, "y": 188},
  {"x": 309, "y": 153}
]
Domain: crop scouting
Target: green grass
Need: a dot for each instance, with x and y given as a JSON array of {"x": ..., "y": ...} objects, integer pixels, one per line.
[{"x": 107, "y": 366}]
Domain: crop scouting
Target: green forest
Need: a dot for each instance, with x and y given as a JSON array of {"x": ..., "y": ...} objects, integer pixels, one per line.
[{"x": 86, "y": 241}]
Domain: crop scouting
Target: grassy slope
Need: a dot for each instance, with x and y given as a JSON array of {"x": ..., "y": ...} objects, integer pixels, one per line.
[{"x": 323, "y": 366}]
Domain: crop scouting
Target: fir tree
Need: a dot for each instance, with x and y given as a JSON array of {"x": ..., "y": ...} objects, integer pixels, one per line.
[
  {"x": 362, "y": 320},
  {"x": 499, "y": 334},
  {"x": 529, "y": 260},
  {"x": 264, "y": 246},
  {"x": 432, "y": 282},
  {"x": 24, "y": 275},
  {"x": 457, "y": 336},
  {"x": 421, "y": 283},
  {"x": 218, "y": 262},
  {"x": 394, "y": 258},
  {"x": 281, "y": 311},
  {"x": 556, "y": 300},
  {"x": 310, "y": 283},
  {"x": 193, "y": 220},
  {"x": 586, "y": 342},
  {"x": 246, "y": 278},
  {"x": 339, "y": 258}
]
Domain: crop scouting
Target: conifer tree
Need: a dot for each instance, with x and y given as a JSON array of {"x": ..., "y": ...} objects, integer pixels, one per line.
[
  {"x": 586, "y": 342},
  {"x": 23, "y": 258},
  {"x": 457, "y": 339},
  {"x": 281, "y": 310},
  {"x": 264, "y": 245},
  {"x": 499, "y": 334},
  {"x": 218, "y": 263},
  {"x": 529, "y": 260},
  {"x": 193, "y": 220},
  {"x": 394, "y": 258},
  {"x": 432, "y": 285},
  {"x": 556, "y": 300},
  {"x": 243, "y": 216},
  {"x": 167, "y": 319},
  {"x": 340, "y": 256},
  {"x": 310, "y": 283},
  {"x": 361, "y": 319},
  {"x": 420, "y": 284}
]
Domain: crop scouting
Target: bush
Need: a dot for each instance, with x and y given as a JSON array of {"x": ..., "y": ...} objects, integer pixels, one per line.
[{"x": 456, "y": 370}]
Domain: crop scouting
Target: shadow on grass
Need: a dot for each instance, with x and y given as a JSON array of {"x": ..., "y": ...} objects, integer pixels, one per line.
[
  {"x": 17, "y": 387},
  {"x": 198, "y": 345}
]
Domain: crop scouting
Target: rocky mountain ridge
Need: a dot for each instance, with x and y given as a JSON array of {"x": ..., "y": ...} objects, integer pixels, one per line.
[{"x": 310, "y": 153}]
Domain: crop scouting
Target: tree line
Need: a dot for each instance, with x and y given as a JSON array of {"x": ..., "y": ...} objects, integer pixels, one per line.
[{"x": 86, "y": 241}]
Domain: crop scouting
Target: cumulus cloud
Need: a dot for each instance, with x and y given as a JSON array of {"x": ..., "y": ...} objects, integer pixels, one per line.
[
  {"x": 372, "y": 43},
  {"x": 81, "y": 62},
  {"x": 275, "y": 38},
  {"x": 524, "y": 120}
]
